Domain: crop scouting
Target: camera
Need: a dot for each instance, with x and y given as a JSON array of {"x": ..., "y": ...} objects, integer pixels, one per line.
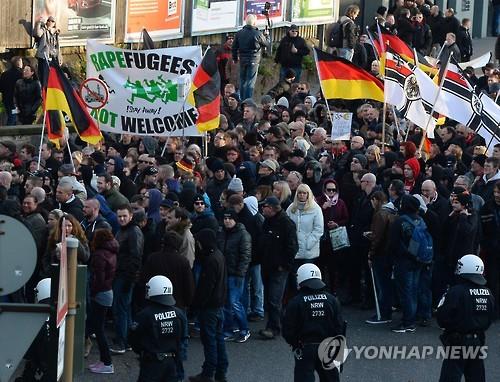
[{"x": 267, "y": 7}]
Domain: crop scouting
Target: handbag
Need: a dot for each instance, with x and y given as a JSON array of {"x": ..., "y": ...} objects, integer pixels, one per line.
[{"x": 339, "y": 238}]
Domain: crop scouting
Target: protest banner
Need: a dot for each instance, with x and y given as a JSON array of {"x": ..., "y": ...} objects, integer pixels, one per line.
[
  {"x": 146, "y": 89},
  {"x": 341, "y": 130},
  {"x": 79, "y": 20}
]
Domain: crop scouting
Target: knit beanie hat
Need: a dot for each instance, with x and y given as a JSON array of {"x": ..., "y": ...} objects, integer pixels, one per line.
[
  {"x": 362, "y": 159},
  {"x": 414, "y": 165},
  {"x": 235, "y": 185}
]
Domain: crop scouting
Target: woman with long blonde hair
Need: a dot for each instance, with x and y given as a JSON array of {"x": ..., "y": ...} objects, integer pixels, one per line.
[{"x": 308, "y": 218}]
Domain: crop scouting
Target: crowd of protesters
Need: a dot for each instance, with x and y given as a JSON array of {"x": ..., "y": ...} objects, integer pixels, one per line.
[{"x": 261, "y": 200}]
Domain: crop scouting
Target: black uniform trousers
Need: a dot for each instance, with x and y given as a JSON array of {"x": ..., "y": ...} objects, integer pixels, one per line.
[
  {"x": 452, "y": 370},
  {"x": 158, "y": 371},
  {"x": 309, "y": 363}
]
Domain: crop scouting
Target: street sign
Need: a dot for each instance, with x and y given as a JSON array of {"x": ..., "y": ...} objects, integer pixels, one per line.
[
  {"x": 62, "y": 293},
  {"x": 60, "y": 349},
  {"x": 94, "y": 93},
  {"x": 15, "y": 240}
]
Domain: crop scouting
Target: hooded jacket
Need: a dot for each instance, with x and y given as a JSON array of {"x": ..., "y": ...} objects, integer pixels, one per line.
[
  {"x": 103, "y": 267},
  {"x": 278, "y": 244},
  {"x": 236, "y": 245},
  {"x": 484, "y": 187},
  {"x": 284, "y": 55},
  {"x": 155, "y": 198},
  {"x": 210, "y": 292},
  {"x": 131, "y": 247}
]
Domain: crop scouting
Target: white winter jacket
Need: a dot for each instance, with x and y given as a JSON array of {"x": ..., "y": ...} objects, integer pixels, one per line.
[{"x": 309, "y": 230}]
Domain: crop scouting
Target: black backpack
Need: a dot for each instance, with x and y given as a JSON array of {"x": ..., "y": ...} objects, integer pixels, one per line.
[{"x": 335, "y": 40}]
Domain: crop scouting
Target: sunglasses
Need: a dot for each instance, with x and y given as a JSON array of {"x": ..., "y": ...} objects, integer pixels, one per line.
[
  {"x": 199, "y": 203},
  {"x": 331, "y": 189}
]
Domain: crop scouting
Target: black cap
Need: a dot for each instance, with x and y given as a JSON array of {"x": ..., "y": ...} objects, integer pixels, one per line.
[
  {"x": 271, "y": 201},
  {"x": 235, "y": 96},
  {"x": 294, "y": 27},
  {"x": 98, "y": 157},
  {"x": 297, "y": 153},
  {"x": 231, "y": 214},
  {"x": 198, "y": 198},
  {"x": 150, "y": 170}
]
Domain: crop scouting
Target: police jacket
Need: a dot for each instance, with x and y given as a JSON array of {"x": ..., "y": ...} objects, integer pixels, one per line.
[
  {"x": 466, "y": 308},
  {"x": 278, "y": 243},
  {"x": 236, "y": 245},
  {"x": 311, "y": 316},
  {"x": 159, "y": 329},
  {"x": 248, "y": 44}
]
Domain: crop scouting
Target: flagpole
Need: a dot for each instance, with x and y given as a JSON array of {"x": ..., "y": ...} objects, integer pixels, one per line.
[
  {"x": 182, "y": 112},
  {"x": 70, "y": 154},
  {"x": 372, "y": 41},
  {"x": 41, "y": 141},
  {"x": 322, "y": 90},
  {"x": 441, "y": 83}
]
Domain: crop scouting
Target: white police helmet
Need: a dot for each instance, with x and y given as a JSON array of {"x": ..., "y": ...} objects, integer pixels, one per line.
[
  {"x": 42, "y": 290},
  {"x": 160, "y": 289},
  {"x": 309, "y": 275},
  {"x": 471, "y": 267}
]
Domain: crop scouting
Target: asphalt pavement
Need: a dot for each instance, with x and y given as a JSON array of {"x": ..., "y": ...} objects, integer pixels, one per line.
[{"x": 271, "y": 360}]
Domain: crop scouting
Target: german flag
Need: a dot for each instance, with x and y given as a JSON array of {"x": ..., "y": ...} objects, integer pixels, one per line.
[
  {"x": 55, "y": 123},
  {"x": 61, "y": 96},
  {"x": 204, "y": 94},
  {"x": 395, "y": 43},
  {"x": 401, "y": 49},
  {"x": 342, "y": 79}
]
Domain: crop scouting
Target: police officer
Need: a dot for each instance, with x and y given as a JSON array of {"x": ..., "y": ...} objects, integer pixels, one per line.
[
  {"x": 312, "y": 316},
  {"x": 37, "y": 357},
  {"x": 465, "y": 312},
  {"x": 160, "y": 334}
]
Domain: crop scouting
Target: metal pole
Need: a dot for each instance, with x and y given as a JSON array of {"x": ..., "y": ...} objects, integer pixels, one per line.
[
  {"x": 72, "y": 245},
  {"x": 379, "y": 317},
  {"x": 41, "y": 141},
  {"x": 441, "y": 82},
  {"x": 70, "y": 155}
]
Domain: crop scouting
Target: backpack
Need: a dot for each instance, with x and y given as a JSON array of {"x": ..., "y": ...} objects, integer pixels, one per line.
[
  {"x": 420, "y": 244},
  {"x": 335, "y": 40}
]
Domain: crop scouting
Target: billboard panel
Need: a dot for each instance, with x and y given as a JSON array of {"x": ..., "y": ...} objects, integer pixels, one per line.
[
  {"x": 161, "y": 18},
  {"x": 215, "y": 15},
  {"x": 79, "y": 20}
]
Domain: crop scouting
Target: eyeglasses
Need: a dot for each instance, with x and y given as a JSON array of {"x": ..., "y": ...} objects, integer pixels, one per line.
[{"x": 331, "y": 189}]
